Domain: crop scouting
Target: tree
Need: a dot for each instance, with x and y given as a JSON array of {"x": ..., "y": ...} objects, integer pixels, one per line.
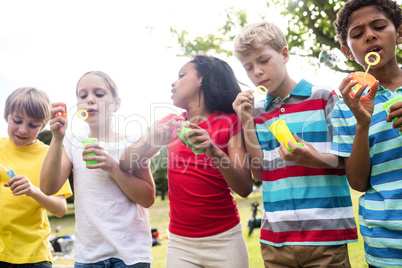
[
  {"x": 310, "y": 30},
  {"x": 45, "y": 136},
  {"x": 159, "y": 172}
]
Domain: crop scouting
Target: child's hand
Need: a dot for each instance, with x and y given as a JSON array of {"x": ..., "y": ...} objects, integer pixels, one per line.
[
  {"x": 299, "y": 155},
  {"x": 202, "y": 137},
  {"x": 161, "y": 134},
  {"x": 306, "y": 156},
  {"x": 21, "y": 185},
  {"x": 361, "y": 107},
  {"x": 243, "y": 105},
  {"x": 105, "y": 161},
  {"x": 395, "y": 111},
  {"x": 58, "y": 125}
]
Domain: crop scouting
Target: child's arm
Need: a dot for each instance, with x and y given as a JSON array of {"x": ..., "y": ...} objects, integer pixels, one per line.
[
  {"x": 21, "y": 185},
  {"x": 57, "y": 166},
  {"x": 357, "y": 165},
  {"x": 140, "y": 189},
  {"x": 148, "y": 145},
  {"x": 244, "y": 108},
  {"x": 233, "y": 167}
]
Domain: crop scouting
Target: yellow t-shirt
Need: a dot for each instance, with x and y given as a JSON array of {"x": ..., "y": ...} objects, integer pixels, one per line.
[{"x": 24, "y": 225}]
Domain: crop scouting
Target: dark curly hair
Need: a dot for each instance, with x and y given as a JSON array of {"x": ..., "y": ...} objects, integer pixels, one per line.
[
  {"x": 219, "y": 83},
  {"x": 389, "y": 7}
]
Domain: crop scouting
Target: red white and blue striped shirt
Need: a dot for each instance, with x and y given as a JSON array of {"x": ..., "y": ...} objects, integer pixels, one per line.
[{"x": 302, "y": 206}]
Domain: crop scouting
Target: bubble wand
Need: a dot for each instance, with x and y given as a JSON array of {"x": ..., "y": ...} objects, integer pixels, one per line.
[
  {"x": 368, "y": 61},
  {"x": 362, "y": 77},
  {"x": 261, "y": 90},
  {"x": 79, "y": 113},
  {"x": 10, "y": 173}
]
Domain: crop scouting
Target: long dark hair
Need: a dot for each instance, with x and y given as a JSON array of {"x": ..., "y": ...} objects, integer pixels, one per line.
[{"x": 219, "y": 83}]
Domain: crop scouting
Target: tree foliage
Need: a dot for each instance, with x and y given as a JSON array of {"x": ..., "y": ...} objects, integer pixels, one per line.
[
  {"x": 159, "y": 172},
  {"x": 310, "y": 30},
  {"x": 212, "y": 43}
]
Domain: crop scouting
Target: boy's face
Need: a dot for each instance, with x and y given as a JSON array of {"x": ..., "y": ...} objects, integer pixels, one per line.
[
  {"x": 371, "y": 30},
  {"x": 266, "y": 67},
  {"x": 22, "y": 129}
]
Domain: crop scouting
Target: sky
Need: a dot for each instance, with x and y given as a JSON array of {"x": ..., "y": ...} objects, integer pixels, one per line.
[{"x": 50, "y": 44}]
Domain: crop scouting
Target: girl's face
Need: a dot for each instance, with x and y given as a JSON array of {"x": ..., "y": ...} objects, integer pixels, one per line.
[
  {"x": 22, "y": 129},
  {"x": 186, "y": 89},
  {"x": 371, "y": 30},
  {"x": 96, "y": 98},
  {"x": 266, "y": 67}
]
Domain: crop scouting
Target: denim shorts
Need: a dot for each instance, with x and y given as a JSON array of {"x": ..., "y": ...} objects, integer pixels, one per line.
[
  {"x": 43, "y": 264},
  {"x": 112, "y": 263}
]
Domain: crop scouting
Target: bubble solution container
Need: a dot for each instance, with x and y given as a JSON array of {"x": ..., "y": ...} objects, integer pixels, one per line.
[
  {"x": 62, "y": 114},
  {"x": 11, "y": 173},
  {"x": 85, "y": 142},
  {"x": 283, "y": 134},
  {"x": 183, "y": 131},
  {"x": 389, "y": 103},
  {"x": 363, "y": 78}
]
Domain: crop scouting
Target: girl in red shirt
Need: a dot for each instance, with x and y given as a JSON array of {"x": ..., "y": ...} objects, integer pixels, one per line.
[{"x": 204, "y": 227}]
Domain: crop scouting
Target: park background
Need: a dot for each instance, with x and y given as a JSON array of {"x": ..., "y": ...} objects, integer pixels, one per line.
[{"x": 142, "y": 45}]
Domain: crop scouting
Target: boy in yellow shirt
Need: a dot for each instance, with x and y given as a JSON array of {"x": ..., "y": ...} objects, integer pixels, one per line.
[{"x": 24, "y": 225}]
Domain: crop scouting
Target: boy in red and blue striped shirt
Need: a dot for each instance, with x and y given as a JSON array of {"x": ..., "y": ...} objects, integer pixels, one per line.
[{"x": 308, "y": 215}]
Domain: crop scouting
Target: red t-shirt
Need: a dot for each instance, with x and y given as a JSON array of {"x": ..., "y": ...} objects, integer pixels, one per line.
[{"x": 201, "y": 203}]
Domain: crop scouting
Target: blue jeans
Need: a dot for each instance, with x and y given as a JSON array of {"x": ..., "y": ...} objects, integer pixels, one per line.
[
  {"x": 44, "y": 264},
  {"x": 112, "y": 263}
]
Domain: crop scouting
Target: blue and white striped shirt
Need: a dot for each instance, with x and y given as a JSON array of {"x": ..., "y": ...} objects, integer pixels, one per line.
[{"x": 380, "y": 208}]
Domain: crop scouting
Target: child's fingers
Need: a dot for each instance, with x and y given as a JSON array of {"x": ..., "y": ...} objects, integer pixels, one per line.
[
  {"x": 57, "y": 104},
  {"x": 398, "y": 123},
  {"x": 297, "y": 138},
  {"x": 56, "y": 110},
  {"x": 93, "y": 145},
  {"x": 345, "y": 82},
  {"x": 360, "y": 92},
  {"x": 373, "y": 90}
]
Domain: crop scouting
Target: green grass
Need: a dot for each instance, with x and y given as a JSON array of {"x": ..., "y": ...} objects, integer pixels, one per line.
[{"x": 159, "y": 219}]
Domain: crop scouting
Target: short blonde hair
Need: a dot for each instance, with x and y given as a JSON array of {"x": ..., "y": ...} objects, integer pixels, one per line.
[
  {"x": 32, "y": 102},
  {"x": 256, "y": 35}
]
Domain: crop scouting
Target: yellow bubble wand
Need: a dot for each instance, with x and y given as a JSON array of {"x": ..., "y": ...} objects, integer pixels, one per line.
[
  {"x": 261, "y": 90},
  {"x": 361, "y": 77},
  {"x": 79, "y": 113},
  {"x": 368, "y": 61}
]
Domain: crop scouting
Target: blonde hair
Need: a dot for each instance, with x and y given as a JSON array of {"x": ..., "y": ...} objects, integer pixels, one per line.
[
  {"x": 108, "y": 80},
  {"x": 256, "y": 35},
  {"x": 32, "y": 102}
]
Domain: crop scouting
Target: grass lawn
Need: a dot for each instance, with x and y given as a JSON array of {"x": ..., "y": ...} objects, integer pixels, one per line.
[{"x": 159, "y": 219}]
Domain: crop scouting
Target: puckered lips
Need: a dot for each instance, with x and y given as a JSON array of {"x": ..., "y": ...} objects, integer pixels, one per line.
[
  {"x": 263, "y": 82},
  {"x": 91, "y": 111}
]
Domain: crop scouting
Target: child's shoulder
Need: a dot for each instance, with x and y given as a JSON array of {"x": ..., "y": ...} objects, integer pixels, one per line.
[{"x": 321, "y": 90}]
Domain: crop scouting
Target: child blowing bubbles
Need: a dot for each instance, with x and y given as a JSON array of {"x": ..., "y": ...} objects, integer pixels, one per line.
[
  {"x": 205, "y": 228},
  {"x": 112, "y": 222},
  {"x": 307, "y": 203},
  {"x": 364, "y": 137},
  {"x": 24, "y": 226}
]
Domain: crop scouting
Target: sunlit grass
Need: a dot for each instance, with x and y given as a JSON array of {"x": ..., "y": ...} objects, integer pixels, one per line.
[{"x": 159, "y": 219}]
